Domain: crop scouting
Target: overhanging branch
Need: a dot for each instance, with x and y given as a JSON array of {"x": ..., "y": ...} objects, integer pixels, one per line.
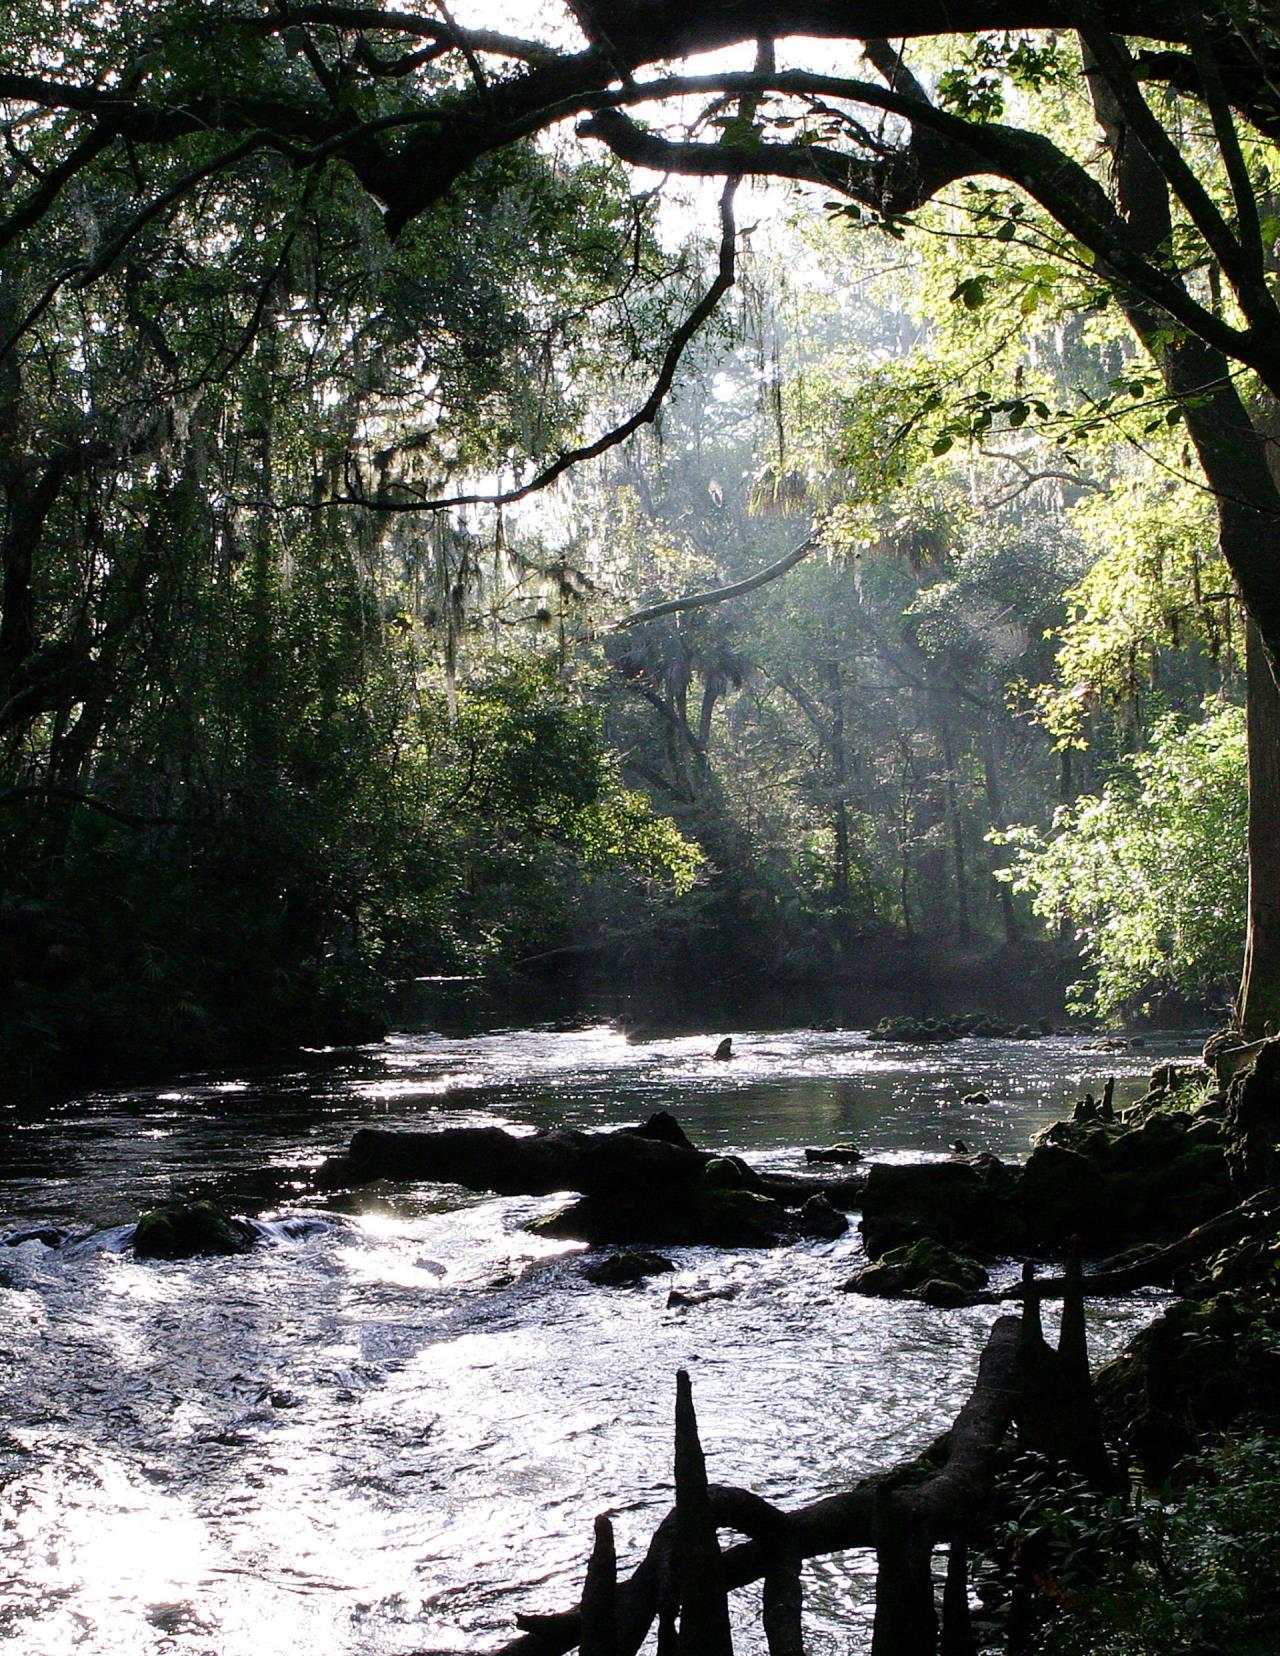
[
  {"x": 720, "y": 595},
  {"x": 644, "y": 415}
]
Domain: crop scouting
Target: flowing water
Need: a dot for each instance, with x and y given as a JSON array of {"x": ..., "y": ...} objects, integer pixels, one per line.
[{"x": 388, "y": 1428}]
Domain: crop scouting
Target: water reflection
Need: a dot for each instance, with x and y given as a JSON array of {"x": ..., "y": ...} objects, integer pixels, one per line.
[{"x": 387, "y": 1431}]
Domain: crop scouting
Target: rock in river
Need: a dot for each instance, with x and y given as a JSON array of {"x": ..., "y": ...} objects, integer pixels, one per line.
[
  {"x": 181, "y": 1230},
  {"x": 623, "y": 1270}
]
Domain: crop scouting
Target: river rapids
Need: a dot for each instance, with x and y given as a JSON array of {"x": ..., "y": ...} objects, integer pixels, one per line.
[{"x": 388, "y": 1427}]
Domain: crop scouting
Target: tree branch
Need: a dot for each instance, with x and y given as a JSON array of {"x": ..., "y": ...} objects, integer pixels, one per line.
[
  {"x": 445, "y": 33},
  {"x": 644, "y": 415},
  {"x": 1027, "y": 159},
  {"x": 720, "y": 595},
  {"x": 1112, "y": 58},
  {"x": 38, "y": 201},
  {"x": 131, "y": 819}
]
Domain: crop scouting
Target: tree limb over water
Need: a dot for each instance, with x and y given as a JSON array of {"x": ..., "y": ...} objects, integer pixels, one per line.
[{"x": 721, "y": 595}]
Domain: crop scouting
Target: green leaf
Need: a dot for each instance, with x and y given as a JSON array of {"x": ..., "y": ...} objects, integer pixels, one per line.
[{"x": 971, "y": 292}]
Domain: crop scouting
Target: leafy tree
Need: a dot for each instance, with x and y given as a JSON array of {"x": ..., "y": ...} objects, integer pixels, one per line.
[
  {"x": 155, "y": 116},
  {"x": 1151, "y": 872}
]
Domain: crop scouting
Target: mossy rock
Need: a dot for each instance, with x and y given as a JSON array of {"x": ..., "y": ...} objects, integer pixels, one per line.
[
  {"x": 1201, "y": 1368},
  {"x": 184, "y": 1230},
  {"x": 1253, "y": 1119},
  {"x": 1062, "y": 1193},
  {"x": 944, "y": 1296},
  {"x": 1110, "y": 1185},
  {"x": 914, "y": 1031},
  {"x": 561, "y": 1225},
  {"x": 921, "y": 1270},
  {"x": 964, "y": 1203},
  {"x": 819, "y": 1217},
  {"x": 722, "y": 1173}
]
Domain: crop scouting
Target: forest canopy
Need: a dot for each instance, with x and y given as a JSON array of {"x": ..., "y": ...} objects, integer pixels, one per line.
[{"x": 375, "y": 398}]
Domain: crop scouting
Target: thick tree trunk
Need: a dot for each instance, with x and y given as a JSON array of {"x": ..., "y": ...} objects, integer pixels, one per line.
[
  {"x": 1234, "y": 454},
  {"x": 839, "y": 772},
  {"x": 1258, "y": 1009},
  {"x": 955, "y": 821},
  {"x": 29, "y": 498}
]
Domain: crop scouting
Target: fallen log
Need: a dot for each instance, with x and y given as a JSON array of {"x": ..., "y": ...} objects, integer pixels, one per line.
[
  {"x": 936, "y": 1499},
  {"x": 1162, "y": 1267},
  {"x": 949, "y": 1477},
  {"x": 637, "y": 1184}
]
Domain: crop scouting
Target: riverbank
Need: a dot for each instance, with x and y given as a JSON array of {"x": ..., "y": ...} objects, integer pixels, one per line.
[{"x": 65, "y": 1027}]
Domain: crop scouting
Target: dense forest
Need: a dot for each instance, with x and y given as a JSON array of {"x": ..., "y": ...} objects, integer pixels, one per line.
[
  {"x": 664, "y": 507},
  {"x": 560, "y": 571}
]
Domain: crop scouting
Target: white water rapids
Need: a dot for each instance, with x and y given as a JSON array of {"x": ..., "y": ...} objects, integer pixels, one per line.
[{"x": 387, "y": 1430}]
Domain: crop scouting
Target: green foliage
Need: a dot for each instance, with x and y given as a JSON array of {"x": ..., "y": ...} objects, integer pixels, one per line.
[
  {"x": 1151, "y": 872},
  {"x": 1157, "y": 584},
  {"x": 987, "y": 65},
  {"x": 386, "y": 838},
  {"x": 1190, "y": 1574}
]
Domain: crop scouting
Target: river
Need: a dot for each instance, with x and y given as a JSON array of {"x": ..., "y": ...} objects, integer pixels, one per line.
[{"x": 389, "y": 1427}]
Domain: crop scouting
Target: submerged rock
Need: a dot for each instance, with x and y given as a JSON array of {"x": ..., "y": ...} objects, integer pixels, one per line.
[
  {"x": 846, "y": 1154},
  {"x": 48, "y": 1235},
  {"x": 621, "y": 1270},
  {"x": 680, "y": 1298},
  {"x": 183, "y": 1230}
]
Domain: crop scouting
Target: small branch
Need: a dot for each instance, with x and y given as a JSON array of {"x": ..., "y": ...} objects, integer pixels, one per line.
[
  {"x": 1030, "y": 477},
  {"x": 85, "y": 275},
  {"x": 131, "y": 819},
  {"x": 720, "y": 595},
  {"x": 1112, "y": 57},
  {"x": 405, "y": 23},
  {"x": 1237, "y": 168},
  {"x": 470, "y": 54},
  {"x": 39, "y": 200}
]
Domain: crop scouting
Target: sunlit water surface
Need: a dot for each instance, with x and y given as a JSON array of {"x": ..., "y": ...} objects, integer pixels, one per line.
[{"x": 389, "y": 1427}]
